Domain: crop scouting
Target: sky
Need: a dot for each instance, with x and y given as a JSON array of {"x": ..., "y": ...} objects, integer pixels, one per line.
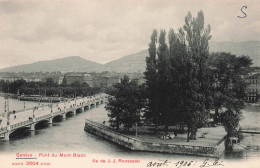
[{"x": 105, "y": 30}]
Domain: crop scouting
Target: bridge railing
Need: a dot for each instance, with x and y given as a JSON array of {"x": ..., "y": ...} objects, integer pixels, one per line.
[
  {"x": 93, "y": 99},
  {"x": 43, "y": 117},
  {"x": 57, "y": 112},
  {"x": 31, "y": 108},
  {"x": 20, "y": 124},
  {"x": 22, "y": 110},
  {"x": 74, "y": 107},
  {"x": 70, "y": 109},
  {"x": 3, "y": 130}
]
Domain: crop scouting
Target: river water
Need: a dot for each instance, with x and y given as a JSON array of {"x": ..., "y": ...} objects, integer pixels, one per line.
[{"x": 69, "y": 135}]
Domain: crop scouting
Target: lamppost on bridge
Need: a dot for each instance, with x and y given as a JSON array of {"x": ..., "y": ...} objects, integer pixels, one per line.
[
  {"x": 91, "y": 111},
  {"x": 209, "y": 138},
  {"x": 8, "y": 118},
  {"x": 75, "y": 98},
  {"x": 7, "y": 108},
  {"x": 91, "y": 101},
  {"x": 65, "y": 104},
  {"x": 136, "y": 124},
  {"x": 33, "y": 112}
]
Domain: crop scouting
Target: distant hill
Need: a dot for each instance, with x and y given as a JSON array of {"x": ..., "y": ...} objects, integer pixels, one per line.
[
  {"x": 136, "y": 62},
  {"x": 68, "y": 64},
  {"x": 250, "y": 48},
  {"x": 131, "y": 63}
]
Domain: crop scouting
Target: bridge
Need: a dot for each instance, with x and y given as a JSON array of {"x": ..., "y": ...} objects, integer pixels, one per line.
[{"x": 32, "y": 116}]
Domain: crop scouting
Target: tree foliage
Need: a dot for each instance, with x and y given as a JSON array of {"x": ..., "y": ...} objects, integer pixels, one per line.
[
  {"x": 228, "y": 87},
  {"x": 151, "y": 84},
  {"x": 163, "y": 82},
  {"x": 125, "y": 103},
  {"x": 48, "y": 88},
  {"x": 184, "y": 82}
]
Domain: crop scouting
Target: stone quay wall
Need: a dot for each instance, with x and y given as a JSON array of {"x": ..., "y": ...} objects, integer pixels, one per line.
[{"x": 136, "y": 144}]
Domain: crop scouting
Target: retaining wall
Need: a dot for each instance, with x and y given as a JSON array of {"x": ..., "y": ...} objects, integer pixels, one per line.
[{"x": 135, "y": 144}]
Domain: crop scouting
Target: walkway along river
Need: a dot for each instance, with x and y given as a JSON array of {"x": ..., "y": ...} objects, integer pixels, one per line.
[{"x": 69, "y": 135}]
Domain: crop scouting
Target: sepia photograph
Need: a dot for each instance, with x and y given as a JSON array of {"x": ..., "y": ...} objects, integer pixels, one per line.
[{"x": 129, "y": 83}]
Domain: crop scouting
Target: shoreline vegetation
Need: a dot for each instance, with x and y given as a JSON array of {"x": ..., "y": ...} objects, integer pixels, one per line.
[{"x": 47, "y": 89}]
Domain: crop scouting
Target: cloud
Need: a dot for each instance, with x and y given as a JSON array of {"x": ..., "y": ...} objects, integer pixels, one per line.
[
  {"x": 13, "y": 7},
  {"x": 109, "y": 29}
]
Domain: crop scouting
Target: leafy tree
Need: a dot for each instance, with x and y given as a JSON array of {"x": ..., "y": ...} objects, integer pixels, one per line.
[
  {"x": 2, "y": 82},
  {"x": 64, "y": 81},
  {"x": 230, "y": 119},
  {"x": 27, "y": 90},
  {"x": 198, "y": 105},
  {"x": 50, "y": 82},
  {"x": 180, "y": 72},
  {"x": 68, "y": 91},
  {"x": 53, "y": 91},
  {"x": 183, "y": 78},
  {"x": 229, "y": 87},
  {"x": 48, "y": 88},
  {"x": 75, "y": 84},
  {"x": 84, "y": 84},
  {"x": 115, "y": 111},
  {"x": 15, "y": 85},
  {"x": 125, "y": 103}
]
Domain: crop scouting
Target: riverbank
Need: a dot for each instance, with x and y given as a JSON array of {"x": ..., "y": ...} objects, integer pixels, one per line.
[{"x": 209, "y": 146}]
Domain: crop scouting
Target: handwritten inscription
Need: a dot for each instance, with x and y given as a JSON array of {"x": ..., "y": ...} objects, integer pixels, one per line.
[
  {"x": 158, "y": 164},
  {"x": 243, "y": 12},
  {"x": 206, "y": 163}
]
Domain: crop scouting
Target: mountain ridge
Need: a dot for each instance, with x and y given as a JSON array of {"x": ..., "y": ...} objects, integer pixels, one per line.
[
  {"x": 132, "y": 62},
  {"x": 73, "y": 63}
]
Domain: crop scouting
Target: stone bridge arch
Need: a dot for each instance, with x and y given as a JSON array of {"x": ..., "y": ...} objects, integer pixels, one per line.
[{"x": 17, "y": 132}]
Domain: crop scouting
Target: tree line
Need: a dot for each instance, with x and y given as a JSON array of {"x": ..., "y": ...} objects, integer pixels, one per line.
[
  {"x": 48, "y": 88},
  {"x": 184, "y": 83}
]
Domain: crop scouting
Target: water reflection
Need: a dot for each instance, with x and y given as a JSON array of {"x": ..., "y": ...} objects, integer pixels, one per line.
[{"x": 42, "y": 125}]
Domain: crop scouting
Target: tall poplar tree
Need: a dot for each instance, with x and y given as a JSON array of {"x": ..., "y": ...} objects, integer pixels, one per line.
[
  {"x": 151, "y": 81},
  {"x": 164, "y": 80},
  {"x": 197, "y": 37}
]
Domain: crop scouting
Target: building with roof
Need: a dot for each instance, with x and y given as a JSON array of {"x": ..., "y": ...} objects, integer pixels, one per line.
[
  {"x": 253, "y": 88},
  {"x": 82, "y": 78}
]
